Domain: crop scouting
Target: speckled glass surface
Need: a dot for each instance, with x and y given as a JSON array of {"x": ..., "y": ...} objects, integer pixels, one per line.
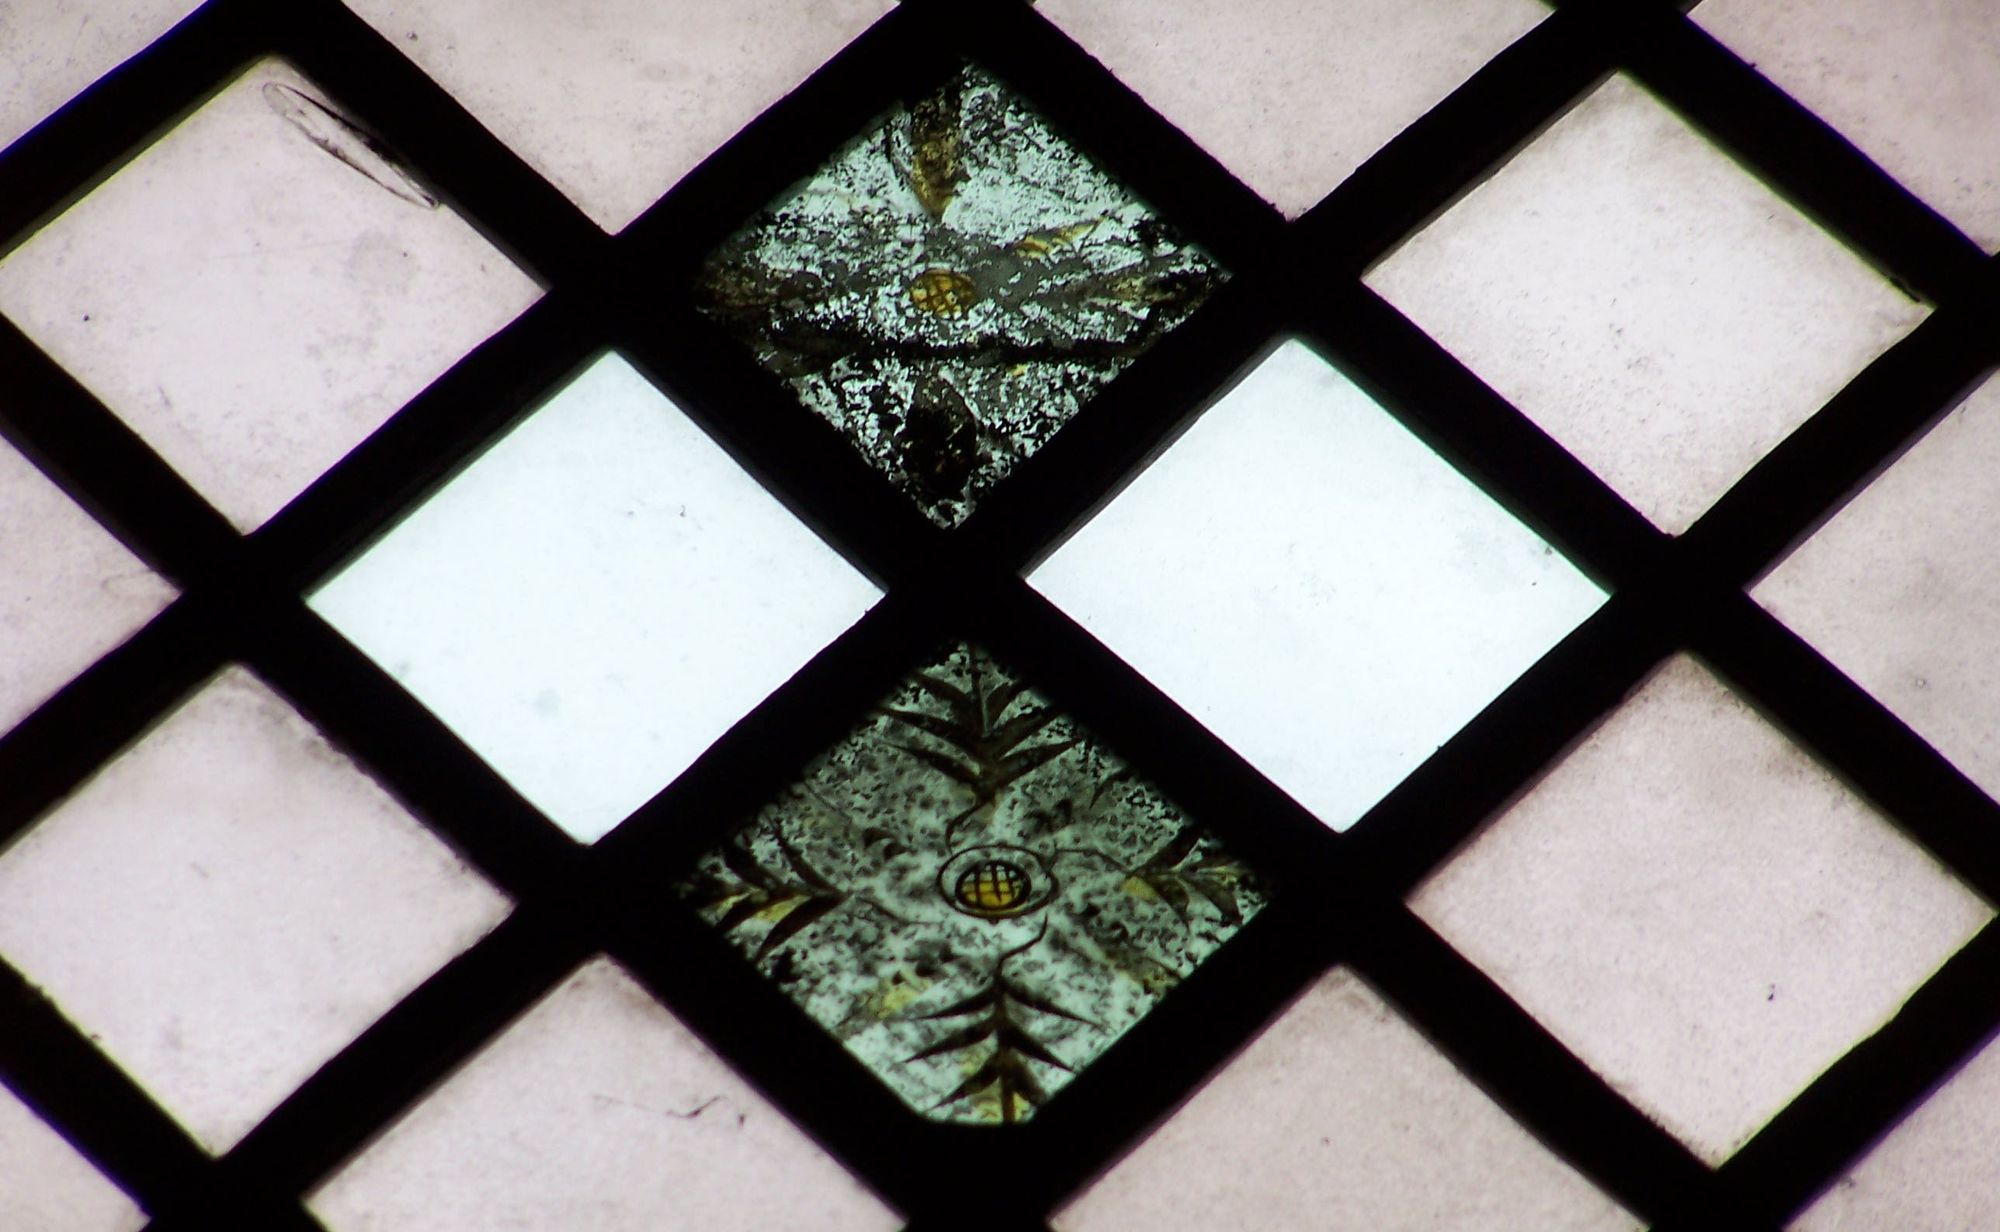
[
  {"x": 972, "y": 894},
  {"x": 951, "y": 287}
]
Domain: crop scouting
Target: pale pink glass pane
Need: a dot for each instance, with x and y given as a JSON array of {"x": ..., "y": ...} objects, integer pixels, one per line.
[
  {"x": 615, "y": 101},
  {"x": 252, "y": 305},
  {"x": 1937, "y": 1172},
  {"x": 230, "y": 902},
  {"x": 1646, "y": 301},
  {"x": 1914, "y": 84},
  {"x": 51, "y": 49},
  {"x": 1293, "y": 95},
  {"x": 1341, "y": 1116},
  {"x": 1699, "y": 910},
  {"x": 596, "y": 1109},
  {"x": 68, "y": 590},
  {"x": 45, "y": 1184},
  {"x": 1900, "y": 587}
]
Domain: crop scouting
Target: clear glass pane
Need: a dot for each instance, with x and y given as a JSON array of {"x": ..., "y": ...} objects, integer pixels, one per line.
[
  {"x": 596, "y": 599},
  {"x": 951, "y": 287},
  {"x": 1645, "y": 300},
  {"x": 1702, "y": 913},
  {"x": 616, "y": 101},
  {"x": 45, "y": 1184},
  {"x": 51, "y": 49},
  {"x": 974, "y": 895},
  {"x": 68, "y": 590},
  {"x": 1915, "y": 86},
  {"x": 1938, "y": 1170},
  {"x": 257, "y": 291},
  {"x": 229, "y": 903},
  {"x": 1341, "y": 1116},
  {"x": 1293, "y": 97},
  {"x": 1316, "y": 586},
  {"x": 596, "y": 1109},
  {"x": 1900, "y": 587}
]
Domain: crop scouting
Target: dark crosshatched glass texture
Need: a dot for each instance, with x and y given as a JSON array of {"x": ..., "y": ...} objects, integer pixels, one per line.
[
  {"x": 951, "y": 286},
  {"x": 973, "y": 894},
  {"x": 1336, "y": 900}
]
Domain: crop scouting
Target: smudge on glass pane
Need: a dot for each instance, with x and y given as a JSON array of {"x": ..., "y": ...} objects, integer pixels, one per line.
[
  {"x": 951, "y": 287},
  {"x": 972, "y": 894}
]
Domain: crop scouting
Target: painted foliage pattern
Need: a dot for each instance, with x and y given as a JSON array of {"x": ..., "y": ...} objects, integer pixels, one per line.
[
  {"x": 951, "y": 287},
  {"x": 972, "y": 894}
]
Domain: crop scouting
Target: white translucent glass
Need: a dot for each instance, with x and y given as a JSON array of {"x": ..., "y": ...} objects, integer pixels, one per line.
[
  {"x": 1316, "y": 586},
  {"x": 1651, "y": 305},
  {"x": 1292, "y": 95},
  {"x": 51, "y": 49},
  {"x": 615, "y": 101},
  {"x": 596, "y": 599},
  {"x": 45, "y": 1184},
  {"x": 1900, "y": 587},
  {"x": 1916, "y": 86},
  {"x": 1699, "y": 910},
  {"x": 229, "y": 903},
  {"x": 256, "y": 292},
  {"x": 1340, "y": 1115},
  {"x": 68, "y": 590},
  {"x": 1938, "y": 1170},
  {"x": 595, "y": 1110}
]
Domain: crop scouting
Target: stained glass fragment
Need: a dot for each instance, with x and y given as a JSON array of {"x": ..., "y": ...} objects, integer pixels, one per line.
[
  {"x": 973, "y": 894},
  {"x": 951, "y": 287}
]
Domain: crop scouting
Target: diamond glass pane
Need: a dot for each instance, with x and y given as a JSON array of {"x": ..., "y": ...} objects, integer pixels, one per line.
[
  {"x": 68, "y": 590},
  {"x": 229, "y": 903},
  {"x": 1899, "y": 589},
  {"x": 596, "y": 1109},
  {"x": 1646, "y": 301},
  {"x": 1341, "y": 1116},
  {"x": 951, "y": 287},
  {"x": 1316, "y": 586},
  {"x": 1293, "y": 97},
  {"x": 1915, "y": 86},
  {"x": 1936, "y": 1172},
  {"x": 1703, "y": 914},
  {"x": 258, "y": 290},
  {"x": 617, "y": 100},
  {"x": 596, "y": 599},
  {"x": 51, "y": 49},
  {"x": 45, "y": 1184},
  {"x": 972, "y": 894}
]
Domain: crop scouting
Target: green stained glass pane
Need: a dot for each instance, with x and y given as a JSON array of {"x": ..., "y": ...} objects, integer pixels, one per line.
[
  {"x": 972, "y": 894},
  {"x": 951, "y": 287}
]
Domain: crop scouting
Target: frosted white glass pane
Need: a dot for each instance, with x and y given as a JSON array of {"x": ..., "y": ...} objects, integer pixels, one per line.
[
  {"x": 249, "y": 301},
  {"x": 45, "y": 1184},
  {"x": 1293, "y": 96},
  {"x": 1652, "y": 306},
  {"x": 596, "y": 599},
  {"x": 1341, "y": 1116},
  {"x": 229, "y": 903},
  {"x": 51, "y": 49},
  {"x": 1937, "y": 1172},
  {"x": 615, "y": 101},
  {"x": 68, "y": 590},
  {"x": 1316, "y": 586},
  {"x": 596, "y": 1109},
  {"x": 1915, "y": 86},
  {"x": 1702, "y": 913},
  {"x": 1900, "y": 587}
]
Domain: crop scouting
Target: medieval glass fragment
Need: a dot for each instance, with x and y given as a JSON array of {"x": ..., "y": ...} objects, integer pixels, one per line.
[
  {"x": 973, "y": 894},
  {"x": 951, "y": 287}
]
